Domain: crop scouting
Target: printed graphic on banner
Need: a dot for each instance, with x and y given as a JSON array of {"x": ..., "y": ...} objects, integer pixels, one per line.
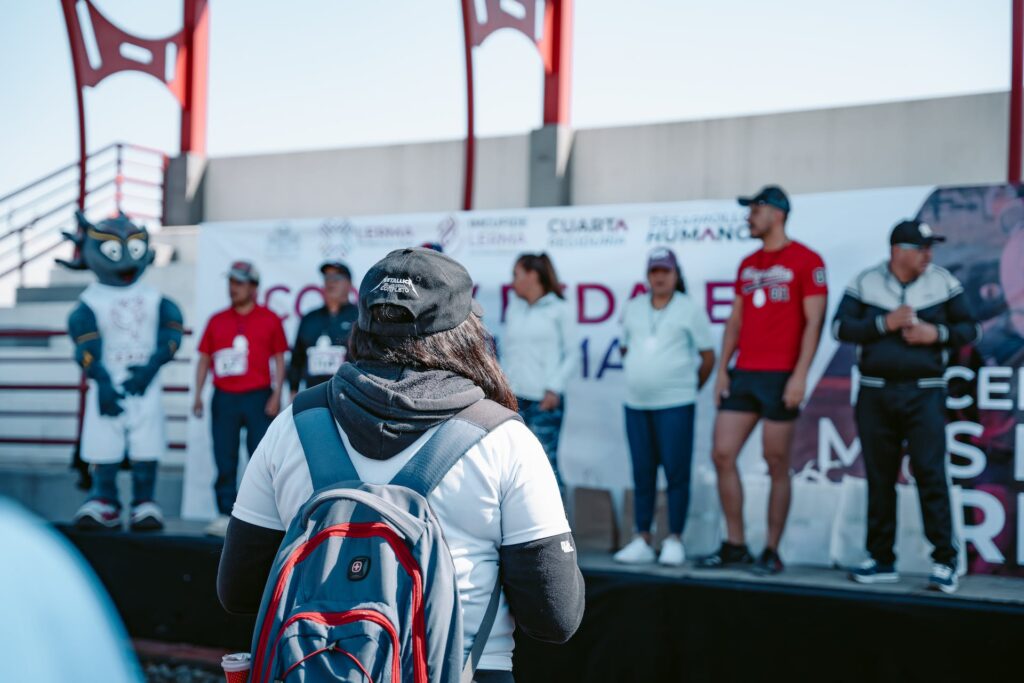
[{"x": 600, "y": 254}]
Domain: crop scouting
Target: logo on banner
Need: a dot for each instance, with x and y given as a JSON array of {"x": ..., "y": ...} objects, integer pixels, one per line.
[
  {"x": 727, "y": 226},
  {"x": 283, "y": 242},
  {"x": 448, "y": 234},
  {"x": 336, "y": 239},
  {"x": 482, "y": 234},
  {"x": 587, "y": 232}
]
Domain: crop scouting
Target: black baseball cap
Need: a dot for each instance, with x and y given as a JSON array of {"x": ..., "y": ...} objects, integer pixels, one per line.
[
  {"x": 336, "y": 264},
  {"x": 772, "y": 195},
  {"x": 915, "y": 233},
  {"x": 436, "y": 289}
]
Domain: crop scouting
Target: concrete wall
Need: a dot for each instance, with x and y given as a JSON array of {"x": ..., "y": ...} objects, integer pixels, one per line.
[
  {"x": 367, "y": 180},
  {"x": 951, "y": 140}
]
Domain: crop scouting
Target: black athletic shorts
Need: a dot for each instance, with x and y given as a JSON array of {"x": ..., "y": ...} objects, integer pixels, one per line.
[{"x": 759, "y": 391}]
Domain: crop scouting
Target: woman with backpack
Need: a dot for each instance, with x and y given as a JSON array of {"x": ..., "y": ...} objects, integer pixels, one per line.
[
  {"x": 421, "y": 372},
  {"x": 539, "y": 352},
  {"x": 667, "y": 345}
]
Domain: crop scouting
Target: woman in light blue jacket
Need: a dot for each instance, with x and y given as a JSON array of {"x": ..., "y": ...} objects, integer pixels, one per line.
[{"x": 539, "y": 352}]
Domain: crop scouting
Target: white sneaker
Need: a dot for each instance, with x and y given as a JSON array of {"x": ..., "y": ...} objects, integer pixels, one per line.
[
  {"x": 219, "y": 526},
  {"x": 637, "y": 552},
  {"x": 672, "y": 553}
]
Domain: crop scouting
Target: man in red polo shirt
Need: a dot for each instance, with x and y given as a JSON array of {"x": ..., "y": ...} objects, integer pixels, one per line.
[
  {"x": 239, "y": 343},
  {"x": 775, "y": 326}
]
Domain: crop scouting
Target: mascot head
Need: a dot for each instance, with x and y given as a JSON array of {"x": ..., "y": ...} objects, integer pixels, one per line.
[{"x": 115, "y": 249}]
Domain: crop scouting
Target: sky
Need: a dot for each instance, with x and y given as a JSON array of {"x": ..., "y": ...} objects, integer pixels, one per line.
[{"x": 316, "y": 74}]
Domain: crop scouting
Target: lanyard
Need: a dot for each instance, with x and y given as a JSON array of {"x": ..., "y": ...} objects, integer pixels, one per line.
[{"x": 655, "y": 316}]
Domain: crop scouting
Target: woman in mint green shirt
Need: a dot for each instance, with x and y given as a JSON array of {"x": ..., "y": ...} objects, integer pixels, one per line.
[{"x": 668, "y": 353}]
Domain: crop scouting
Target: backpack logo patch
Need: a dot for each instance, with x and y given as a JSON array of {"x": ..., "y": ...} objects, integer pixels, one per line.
[{"x": 359, "y": 568}]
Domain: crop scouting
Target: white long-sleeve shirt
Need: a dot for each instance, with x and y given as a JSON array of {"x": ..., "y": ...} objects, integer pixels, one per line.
[{"x": 539, "y": 350}]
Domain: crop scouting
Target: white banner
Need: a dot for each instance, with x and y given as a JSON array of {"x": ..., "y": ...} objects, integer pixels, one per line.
[{"x": 600, "y": 254}]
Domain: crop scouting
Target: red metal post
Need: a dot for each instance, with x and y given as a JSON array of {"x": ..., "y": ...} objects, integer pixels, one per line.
[
  {"x": 1016, "y": 92},
  {"x": 77, "y": 56},
  {"x": 188, "y": 83},
  {"x": 196, "y": 30},
  {"x": 554, "y": 45},
  {"x": 467, "y": 188},
  {"x": 556, "y": 50}
]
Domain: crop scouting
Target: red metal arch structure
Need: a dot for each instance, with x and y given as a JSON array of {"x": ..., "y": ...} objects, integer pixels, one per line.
[
  {"x": 99, "y": 49},
  {"x": 554, "y": 44}
]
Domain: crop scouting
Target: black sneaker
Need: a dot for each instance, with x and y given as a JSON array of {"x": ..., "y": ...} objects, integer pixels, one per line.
[
  {"x": 768, "y": 563},
  {"x": 874, "y": 572},
  {"x": 727, "y": 554}
]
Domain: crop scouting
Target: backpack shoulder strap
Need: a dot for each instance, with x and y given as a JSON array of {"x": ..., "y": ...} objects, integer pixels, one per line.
[
  {"x": 446, "y": 447},
  {"x": 326, "y": 457},
  {"x": 428, "y": 467}
]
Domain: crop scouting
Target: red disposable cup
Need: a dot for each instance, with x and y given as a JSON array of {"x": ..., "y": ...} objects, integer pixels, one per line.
[{"x": 236, "y": 667}]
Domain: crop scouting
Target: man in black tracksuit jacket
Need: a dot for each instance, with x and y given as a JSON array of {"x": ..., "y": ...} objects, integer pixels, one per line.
[
  {"x": 907, "y": 317},
  {"x": 321, "y": 344}
]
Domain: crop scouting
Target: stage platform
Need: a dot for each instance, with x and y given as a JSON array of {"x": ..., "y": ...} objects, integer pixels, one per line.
[{"x": 645, "y": 623}]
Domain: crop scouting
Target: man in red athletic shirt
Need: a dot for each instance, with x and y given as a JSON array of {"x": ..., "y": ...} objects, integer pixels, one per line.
[
  {"x": 239, "y": 344},
  {"x": 774, "y": 327}
]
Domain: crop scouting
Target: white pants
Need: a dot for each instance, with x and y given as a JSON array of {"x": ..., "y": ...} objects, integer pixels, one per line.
[{"x": 139, "y": 429}]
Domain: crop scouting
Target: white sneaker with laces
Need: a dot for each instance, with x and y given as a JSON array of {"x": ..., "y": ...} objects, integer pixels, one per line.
[
  {"x": 672, "y": 553},
  {"x": 636, "y": 552},
  {"x": 943, "y": 578},
  {"x": 218, "y": 527}
]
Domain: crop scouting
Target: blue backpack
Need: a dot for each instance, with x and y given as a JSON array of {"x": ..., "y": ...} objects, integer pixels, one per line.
[{"x": 363, "y": 588}]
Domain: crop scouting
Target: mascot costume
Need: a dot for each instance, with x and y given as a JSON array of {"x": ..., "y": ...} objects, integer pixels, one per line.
[{"x": 124, "y": 331}]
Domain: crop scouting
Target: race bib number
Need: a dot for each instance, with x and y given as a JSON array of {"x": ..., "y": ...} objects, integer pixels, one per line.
[
  {"x": 232, "y": 361},
  {"x": 325, "y": 358}
]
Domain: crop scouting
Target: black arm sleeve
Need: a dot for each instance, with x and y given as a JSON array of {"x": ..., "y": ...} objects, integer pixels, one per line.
[
  {"x": 962, "y": 329},
  {"x": 544, "y": 587},
  {"x": 298, "y": 362},
  {"x": 245, "y": 564},
  {"x": 853, "y": 324}
]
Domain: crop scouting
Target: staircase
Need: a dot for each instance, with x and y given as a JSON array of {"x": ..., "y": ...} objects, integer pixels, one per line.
[{"x": 40, "y": 384}]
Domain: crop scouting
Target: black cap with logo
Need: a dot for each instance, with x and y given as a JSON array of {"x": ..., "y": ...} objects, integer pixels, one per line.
[
  {"x": 436, "y": 289},
  {"x": 337, "y": 265},
  {"x": 772, "y": 195},
  {"x": 914, "y": 233}
]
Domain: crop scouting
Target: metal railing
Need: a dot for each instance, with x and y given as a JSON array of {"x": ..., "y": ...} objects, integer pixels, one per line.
[
  {"x": 120, "y": 177},
  {"x": 74, "y": 383}
]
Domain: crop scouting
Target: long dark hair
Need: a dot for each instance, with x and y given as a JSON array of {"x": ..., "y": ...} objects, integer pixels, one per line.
[
  {"x": 545, "y": 269},
  {"x": 466, "y": 350},
  {"x": 680, "y": 282}
]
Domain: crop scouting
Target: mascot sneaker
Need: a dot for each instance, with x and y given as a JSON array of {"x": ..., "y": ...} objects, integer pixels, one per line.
[
  {"x": 96, "y": 515},
  {"x": 147, "y": 516}
]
